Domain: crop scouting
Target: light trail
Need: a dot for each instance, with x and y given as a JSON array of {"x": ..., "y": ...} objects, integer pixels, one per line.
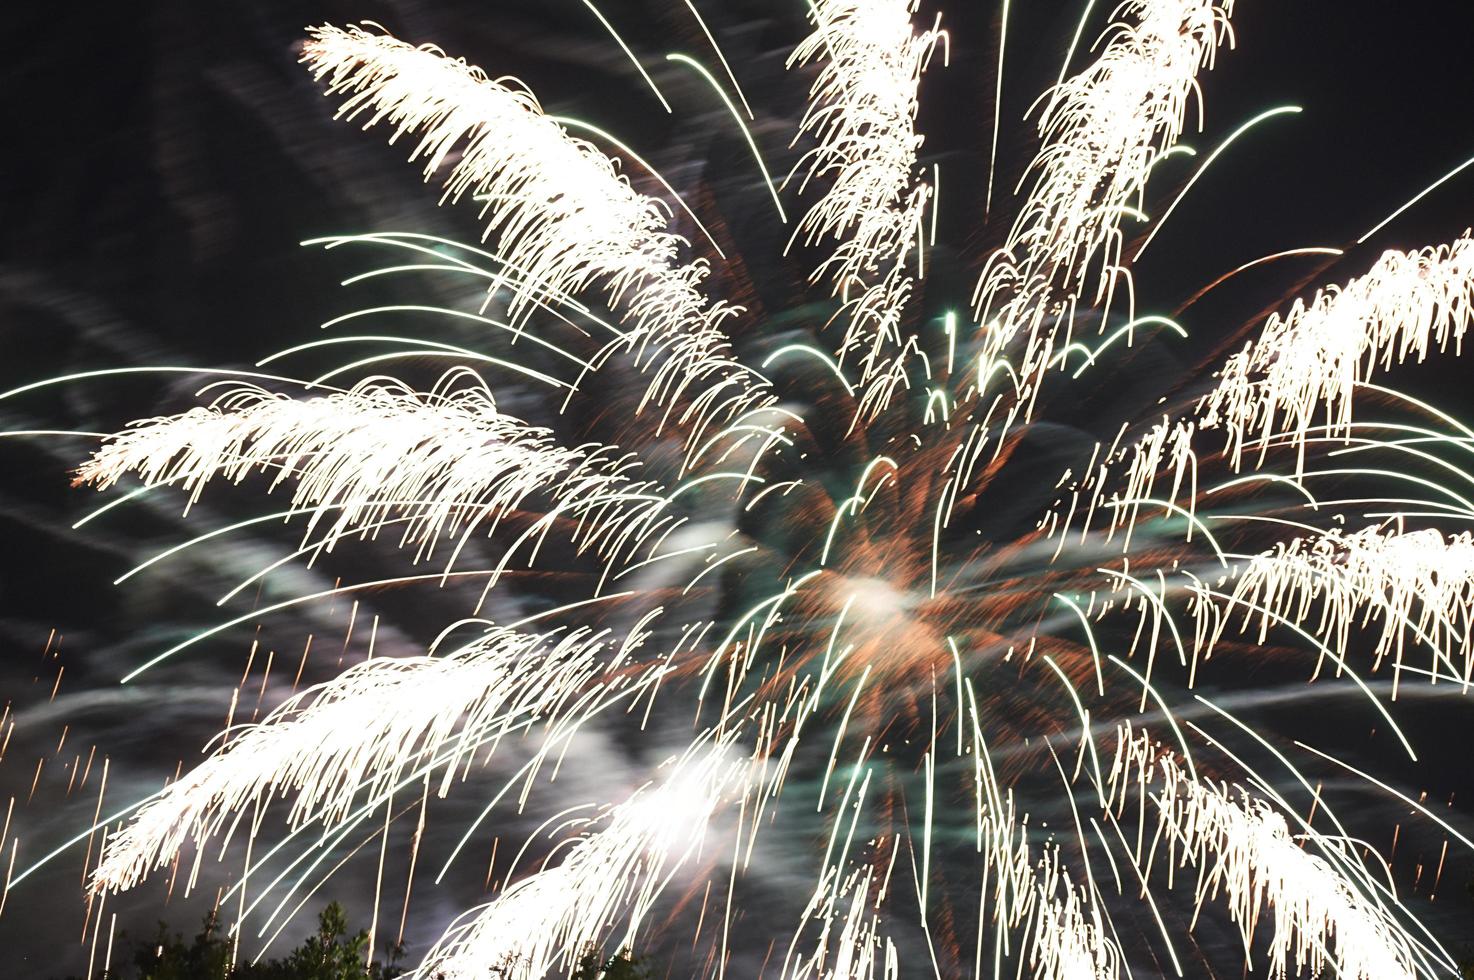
[{"x": 816, "y": 573}]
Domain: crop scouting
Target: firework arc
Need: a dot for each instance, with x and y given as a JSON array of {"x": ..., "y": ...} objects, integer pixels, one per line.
[
  {"x": 362, "y": 732},
  {"x": 443, "y": 463},
  {"x": 563, "y": 217},
  {"x": 1311, "y": 359},
  {"x": 1102, "y": 132},
  {"x": 1243, "y": 849},
  {"x": 543, "y": 921},
  {"x": 867, "y": 616},
  {"x": 862, "y": 112},
  {"x": 1307, "y": 365},
  {"x": 1104, "y": 129},
  {"x": 1419, "y": 583}
]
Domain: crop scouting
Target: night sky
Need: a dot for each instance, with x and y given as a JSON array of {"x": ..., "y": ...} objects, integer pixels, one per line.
[{"x": 164, "y": 162}]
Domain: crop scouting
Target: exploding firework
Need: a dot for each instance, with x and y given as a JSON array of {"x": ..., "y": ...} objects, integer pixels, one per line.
[{"x": 833, "y": 564}]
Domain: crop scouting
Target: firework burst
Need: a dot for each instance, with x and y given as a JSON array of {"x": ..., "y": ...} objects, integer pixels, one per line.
[{"x": 875, "y": 619}]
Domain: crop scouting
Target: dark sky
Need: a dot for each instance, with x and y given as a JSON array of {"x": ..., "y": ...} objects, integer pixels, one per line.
[{"x": 165, "y": 160}]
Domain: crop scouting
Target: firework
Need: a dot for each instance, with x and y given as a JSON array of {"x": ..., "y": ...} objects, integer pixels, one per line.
[
  {"x": 1312, "y": 358},
  {"x": 544, "y": 919},
  {"x": 882, "y": 625},
  {"x": 361, "y": 733},
  {"x": 1241, "y": 847}
]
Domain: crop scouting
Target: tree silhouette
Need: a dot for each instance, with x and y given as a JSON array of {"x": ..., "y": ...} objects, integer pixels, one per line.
[
  {"x": 330, "y": 953},
  {"x": 621, "y": 966}
]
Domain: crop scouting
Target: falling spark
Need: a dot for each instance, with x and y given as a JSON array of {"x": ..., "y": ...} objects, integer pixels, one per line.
[
  {"x": 1243, "y": 849},
  {"x": 1312, "y": 358},
  {"x": 544, "y": 920},
  {"x": 862, "y": 112},
  {"x": 357, "y": 732},
  {"x": 602, "y": 232}
]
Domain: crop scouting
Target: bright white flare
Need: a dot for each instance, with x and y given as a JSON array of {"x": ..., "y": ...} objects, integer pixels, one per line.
[
  {"x": 1419, "y": 583},
  {"x": 862, "y": 110},
  {"x": 361, "y": 731},
  {"x": 363, "y": 458},
  {"x": 1315, "y": 355},
  {"x": 1103, "y": 130},
  {"x": 563, "y": 217},
  {"x": 612, "y": 875},
  {"x": 1242, "y": 848}
]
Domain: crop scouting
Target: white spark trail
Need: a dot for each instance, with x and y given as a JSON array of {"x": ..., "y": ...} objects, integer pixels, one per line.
[
  {"x": 1312, "y": 358},
  {"x": 562, "y": 213},
  {"x": 1295, "y": 383},
  {"x": 614, "y": 874},
  {"x": 446, "y": 462},
  {"x": 1065, "y": 934},
  {"x": 360, "y": 731},
  {"x": 1418, "y": 582},
  {"x": 1319, "y": 922},
  {"x": 851, "y": 944},
  {"x": 862, "y": 111},
  {"x": 1103, "y": 130}
]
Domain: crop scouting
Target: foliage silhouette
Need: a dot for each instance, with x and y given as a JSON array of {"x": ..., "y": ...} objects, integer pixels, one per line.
[
  {"x": 621, "y": 966},
  {"x": 330, "y": 953}
]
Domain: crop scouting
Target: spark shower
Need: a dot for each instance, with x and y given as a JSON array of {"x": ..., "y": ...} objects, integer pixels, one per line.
[{"x": 980, "y": 742}]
